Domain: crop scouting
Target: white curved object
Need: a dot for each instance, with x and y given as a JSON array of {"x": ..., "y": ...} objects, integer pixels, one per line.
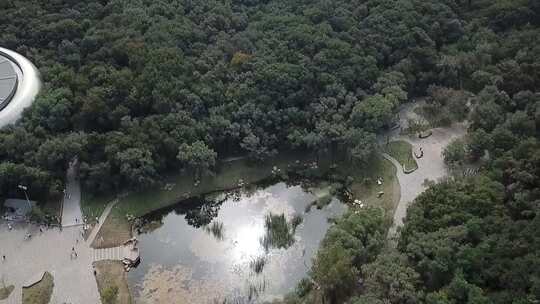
[{"x": 28, "y": 86}]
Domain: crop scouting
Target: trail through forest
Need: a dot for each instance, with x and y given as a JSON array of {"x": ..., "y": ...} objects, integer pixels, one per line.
[{"x": 430, "y": 167}]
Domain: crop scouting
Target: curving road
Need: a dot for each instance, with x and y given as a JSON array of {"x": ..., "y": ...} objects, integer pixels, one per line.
[{"x": 28, "y": 87}]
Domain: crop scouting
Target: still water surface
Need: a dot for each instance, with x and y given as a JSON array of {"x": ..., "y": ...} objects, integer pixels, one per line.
[{"x": 207, "y": 251}]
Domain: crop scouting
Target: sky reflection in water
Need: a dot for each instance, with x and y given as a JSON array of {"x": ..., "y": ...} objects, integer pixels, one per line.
[{"x": 184, "y": 262}]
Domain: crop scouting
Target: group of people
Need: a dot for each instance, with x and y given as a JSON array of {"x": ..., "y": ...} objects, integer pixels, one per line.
[{"x": 67, "y": 194}]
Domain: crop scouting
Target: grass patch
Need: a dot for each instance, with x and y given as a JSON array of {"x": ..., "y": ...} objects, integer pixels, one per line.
[
  {"x": 182, "y": 186},
  {"x": 402, "y": 152},
  {"x": 39, "y": 293},
  {"x": 114, "y": 232},
  {"x": 5, "y": 291},
  {"x": 365, "y": 188},
  {"x": 112, "y": 283},
  {"x": 93, "y": 206}
]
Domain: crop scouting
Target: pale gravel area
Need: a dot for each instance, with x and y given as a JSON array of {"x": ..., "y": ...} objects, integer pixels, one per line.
[{"x": 430, "y": 167}]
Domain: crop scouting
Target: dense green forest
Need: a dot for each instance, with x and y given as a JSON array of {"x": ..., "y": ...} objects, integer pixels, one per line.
[
  {"x": 136, "y": 88},
  {"x": 466, "y": 240}
]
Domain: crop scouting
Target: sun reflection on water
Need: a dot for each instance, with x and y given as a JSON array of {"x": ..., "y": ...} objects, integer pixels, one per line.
[
  {"x": 246, "y": 243},
  {"x": 202, "y": 265}
]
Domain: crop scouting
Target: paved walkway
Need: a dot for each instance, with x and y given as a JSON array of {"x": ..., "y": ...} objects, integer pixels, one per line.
[
  {"x": 48, "y": 251},
  {"x": 430, "y": 167},
  {"x": 71, "y": 210},
  {"x": 51, "y": 251}
]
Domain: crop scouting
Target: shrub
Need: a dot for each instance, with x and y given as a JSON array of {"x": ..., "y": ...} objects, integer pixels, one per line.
[
  {"x": 455, "y": 152},
  {"x": 109, "y": 295}
]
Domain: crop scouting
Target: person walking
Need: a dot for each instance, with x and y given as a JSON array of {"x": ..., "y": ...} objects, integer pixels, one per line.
[{"x": 3, "y": 258}]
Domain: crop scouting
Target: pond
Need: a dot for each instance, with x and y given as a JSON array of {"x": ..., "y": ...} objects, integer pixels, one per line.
[{"x": 245, "y": 246}]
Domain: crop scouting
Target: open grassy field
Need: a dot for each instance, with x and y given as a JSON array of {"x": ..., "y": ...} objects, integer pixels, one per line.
[
  {"x": 402, "y": 152},
  {"x": 112, "y": 283},
  {"x": 39, "y": 293}
]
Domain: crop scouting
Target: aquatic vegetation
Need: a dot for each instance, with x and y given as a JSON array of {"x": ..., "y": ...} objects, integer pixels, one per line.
[
  {"x": 296, "y": 221},
  {"x": 216, "y": 229},
  {"x": 279, "y": 233},
  {"x": 257, "y": 265},
  {"x": 255, "y": 290},
  {"x": 219, "y": 260}
]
